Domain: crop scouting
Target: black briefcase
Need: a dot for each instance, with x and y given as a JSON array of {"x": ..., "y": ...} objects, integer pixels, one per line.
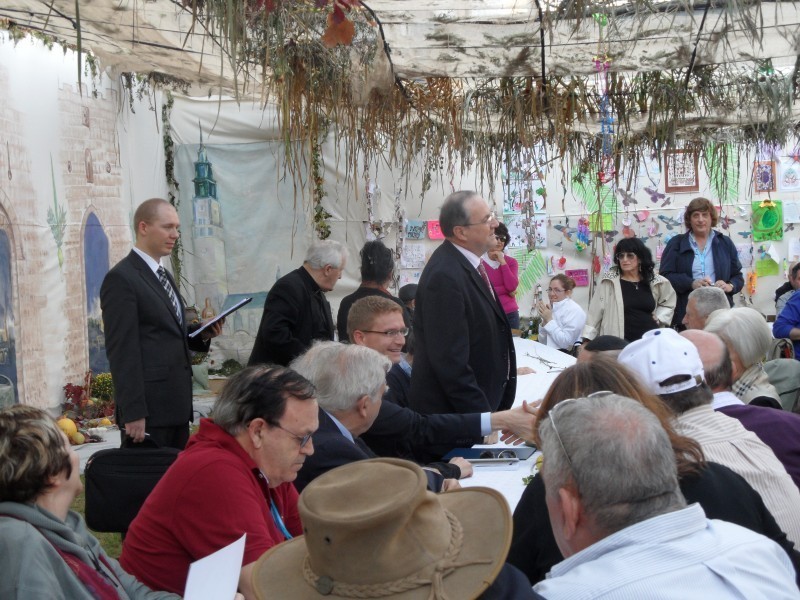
[{"x": 118, "y": 482}]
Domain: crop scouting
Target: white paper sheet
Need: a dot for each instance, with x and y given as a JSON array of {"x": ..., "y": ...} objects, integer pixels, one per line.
[
  {"x": 791, "y": 211},
  {"x": 216, "y": 577}
]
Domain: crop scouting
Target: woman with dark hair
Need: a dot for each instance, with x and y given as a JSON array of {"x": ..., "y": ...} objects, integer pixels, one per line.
[
  {"x": 562, "y": 318},
  {"x": 46, "y": 551},
  {"x": 722, "y": 493},
  {"x": 503, "y": 272},
  {"x": 700, "y": 257},
  {"x": 377, "y": 266},
  {"x": 630, "y": 299}
]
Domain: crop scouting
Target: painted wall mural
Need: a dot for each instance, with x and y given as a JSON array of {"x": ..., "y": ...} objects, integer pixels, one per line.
[{"x": 95, "y": 264}]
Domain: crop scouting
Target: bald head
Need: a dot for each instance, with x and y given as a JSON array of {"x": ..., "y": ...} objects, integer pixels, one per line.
[{"x": 716, "y": 359}]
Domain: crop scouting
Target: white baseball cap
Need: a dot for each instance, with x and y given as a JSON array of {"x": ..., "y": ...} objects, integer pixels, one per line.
[{"x": 660, "y": 355}]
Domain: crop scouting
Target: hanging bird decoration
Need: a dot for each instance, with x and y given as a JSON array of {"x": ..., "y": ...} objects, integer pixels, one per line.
[{"x": 655, "y": 195}]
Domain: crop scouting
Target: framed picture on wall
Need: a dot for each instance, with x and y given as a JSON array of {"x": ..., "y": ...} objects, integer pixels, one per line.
[
  {"x": 680, "y": 170},
  {"x": 764, "y": 177}
]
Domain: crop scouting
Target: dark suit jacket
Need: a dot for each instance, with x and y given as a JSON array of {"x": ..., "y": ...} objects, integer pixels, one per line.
[
  {"x": 676, "y": 266},
  {"x": 464, "y": 358},
  {"x": 147, "y": 348},
  {"x": 403, "y": 433},
  {"x": 331, "y": 450},
  {"x": 295, "y": 314}
]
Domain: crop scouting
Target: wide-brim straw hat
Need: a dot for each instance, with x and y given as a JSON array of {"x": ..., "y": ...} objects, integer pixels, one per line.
[{"x": 372, "y": 530}]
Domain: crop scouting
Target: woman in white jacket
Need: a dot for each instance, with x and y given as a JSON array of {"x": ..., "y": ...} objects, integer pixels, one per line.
[
  {"x": 562, "y": 318},
  {"x": 630, "y": 299}
]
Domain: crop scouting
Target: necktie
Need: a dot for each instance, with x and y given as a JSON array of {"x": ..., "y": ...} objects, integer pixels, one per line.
[
  {"x": 485, "y": 277},
  {"x": 162, "y": 277}
]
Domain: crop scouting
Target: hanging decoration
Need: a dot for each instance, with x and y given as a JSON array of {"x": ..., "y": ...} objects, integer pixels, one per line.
[
  {"x": 752, "y": 281},
  {"x": 582, "y": 235},
  {"x": 602, "y": 63}
]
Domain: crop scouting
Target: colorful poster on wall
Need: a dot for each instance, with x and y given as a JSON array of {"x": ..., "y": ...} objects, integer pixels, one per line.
[
  {"x": 518, "y": 236},
  {"x": 681, "y": 171},
  {"x": 435, "y": 231},
  {"x": 745, "y": 253},
  {"x": 764, "y": 179},
  {"x": 789, "y": 175},
  {"x": 413, "y": 256},
  {"x": 515, "y": 193},
  {"x": 415, "y": 230},
  {"x": 766, "y": 266},
  {"x": 580, "y": 276},
  {"x": 767, "y": 220}
]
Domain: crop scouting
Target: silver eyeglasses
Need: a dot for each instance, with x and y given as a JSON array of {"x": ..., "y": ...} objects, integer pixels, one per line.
[
  {"x": 392, "y": 333},
  {"x": 487, "y": 219},
  {"x": 555, "y": 409},
  {"x": 303, "y": 439}
]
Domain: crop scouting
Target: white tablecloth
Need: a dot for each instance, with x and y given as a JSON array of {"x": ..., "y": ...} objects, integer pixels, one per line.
[{"x": 529, "y": 387}]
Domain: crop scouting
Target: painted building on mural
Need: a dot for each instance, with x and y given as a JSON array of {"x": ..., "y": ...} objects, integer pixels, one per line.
[{"x": 211, "y": 278}]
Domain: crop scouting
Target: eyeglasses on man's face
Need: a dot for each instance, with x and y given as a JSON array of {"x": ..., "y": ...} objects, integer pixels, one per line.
[
  {"x": 390, "y": 333},
  {"x": 302, "y": 439},
  {"x": 626, "y": 256},
  {"x": 484, "y": 221}
]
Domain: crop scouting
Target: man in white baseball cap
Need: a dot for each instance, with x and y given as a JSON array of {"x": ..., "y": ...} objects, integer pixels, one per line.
[{"x": 670, "y": 367}]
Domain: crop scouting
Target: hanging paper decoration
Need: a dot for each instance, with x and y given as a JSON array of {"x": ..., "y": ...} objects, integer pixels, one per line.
[
  {"x": 607, "y": 262},
  {"x": 752, "y": 280},
  {"x": 602, "y": 63},
  {"x": 582, "y": 236},
  {"x": 596, "y": 267},
  {"x": 627, "y": 231},
  {"x": 562, "y": 261}
]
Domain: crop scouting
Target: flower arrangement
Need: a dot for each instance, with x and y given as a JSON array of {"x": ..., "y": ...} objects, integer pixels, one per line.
[{"x": 92, "y": 403}]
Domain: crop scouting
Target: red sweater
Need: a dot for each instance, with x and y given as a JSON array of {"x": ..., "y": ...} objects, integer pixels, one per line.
[{"x": 208, "y": 498}]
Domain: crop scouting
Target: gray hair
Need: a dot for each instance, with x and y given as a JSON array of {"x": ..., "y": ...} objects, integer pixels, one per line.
[
  {"x": 343, "y": 373},
  {"x": 454, "y": 211},
  {"x": 744, "y": 330},
  {"x": 326, "y": 252},
  {"x": 622, "y": 462},
  {"x": 259, "y": 391},
  {"x": 708, "y": 299}
]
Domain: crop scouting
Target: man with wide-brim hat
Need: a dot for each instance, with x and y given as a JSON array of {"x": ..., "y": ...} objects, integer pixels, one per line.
[{"x": 372, "y": 530}]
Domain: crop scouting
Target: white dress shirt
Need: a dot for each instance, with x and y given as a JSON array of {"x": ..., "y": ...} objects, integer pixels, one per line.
[{"x": 679, "y": 555}]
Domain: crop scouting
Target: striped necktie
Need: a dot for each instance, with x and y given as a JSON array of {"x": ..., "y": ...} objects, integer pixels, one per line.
[
  {"x": 162, "y": 277},
  {"x": 485, "y": 277}
]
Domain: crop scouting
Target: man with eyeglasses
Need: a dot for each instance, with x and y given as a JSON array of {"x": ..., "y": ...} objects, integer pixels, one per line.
[
  {"x": 234, "y": 477},
  {"x": 404, "y": 433},
  {"x": 464, "y": 355},
  {"x": 622, "y": 524}
]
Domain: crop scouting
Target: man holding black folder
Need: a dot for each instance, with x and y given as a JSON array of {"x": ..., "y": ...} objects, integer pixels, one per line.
[{"x": 146, "y": 334}]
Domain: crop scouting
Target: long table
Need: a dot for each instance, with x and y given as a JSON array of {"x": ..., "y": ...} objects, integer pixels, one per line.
[{"x": 548, "y": 363}]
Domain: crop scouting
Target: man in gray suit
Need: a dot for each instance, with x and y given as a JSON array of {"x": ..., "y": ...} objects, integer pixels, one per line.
[{"x": 146, "y": 334}]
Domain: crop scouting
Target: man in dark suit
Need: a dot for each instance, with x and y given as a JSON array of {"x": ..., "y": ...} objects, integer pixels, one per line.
[
  {"x": 296, "y": 311},
  {"x": 464, "y": 357},
  {"x": 146, "y": 334},
  {"x": 377, "y": 323}
]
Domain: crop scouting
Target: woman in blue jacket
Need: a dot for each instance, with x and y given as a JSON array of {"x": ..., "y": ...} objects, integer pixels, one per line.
[{"x": 700, "y": 257}]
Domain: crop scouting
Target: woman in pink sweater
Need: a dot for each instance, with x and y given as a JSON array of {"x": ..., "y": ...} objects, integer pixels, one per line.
[{"x": 502, "y": 271}]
